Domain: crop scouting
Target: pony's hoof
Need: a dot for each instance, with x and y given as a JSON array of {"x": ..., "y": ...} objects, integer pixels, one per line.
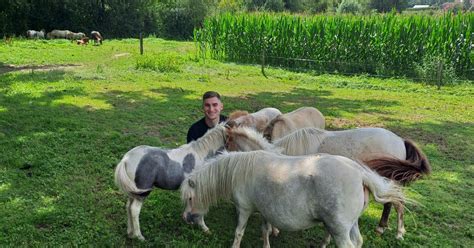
[
  {"x": 207, "y": 232},
  {"x": 380, "y": 230},
  {"x": 139, "y": 236},
  {"x": 275, "y": 232},
  {"x": 400, "y": 235}
]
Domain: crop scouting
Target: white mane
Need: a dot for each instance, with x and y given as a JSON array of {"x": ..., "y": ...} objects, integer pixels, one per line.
[
  {"x": 219, "y": 176},
  {"x": 212, "y": 140},
  {"x": 301, "y": 141},
  {"x": 256, "y": 138}
]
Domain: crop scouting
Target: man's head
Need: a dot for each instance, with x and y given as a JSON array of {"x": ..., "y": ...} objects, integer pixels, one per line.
[{"x": 212, "y": 106}]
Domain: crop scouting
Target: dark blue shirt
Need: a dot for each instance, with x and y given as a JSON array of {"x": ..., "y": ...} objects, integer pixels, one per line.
[{"x": 199, "y": 128}]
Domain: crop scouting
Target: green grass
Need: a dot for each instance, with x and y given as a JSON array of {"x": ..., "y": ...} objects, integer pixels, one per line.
[{"x": 63, "y": 130}]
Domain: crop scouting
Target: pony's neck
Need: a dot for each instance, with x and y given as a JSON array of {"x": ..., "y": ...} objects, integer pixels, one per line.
[
  {"x": 210, "y": 142},
  {"x": 301, "y": 142}
]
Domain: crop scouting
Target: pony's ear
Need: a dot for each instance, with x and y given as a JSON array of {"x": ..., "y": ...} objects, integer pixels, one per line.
[{"x": 191, "y": 183}]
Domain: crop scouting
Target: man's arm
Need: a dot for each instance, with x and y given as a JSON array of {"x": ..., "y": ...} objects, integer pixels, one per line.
[{"x": 189, "y": 137}]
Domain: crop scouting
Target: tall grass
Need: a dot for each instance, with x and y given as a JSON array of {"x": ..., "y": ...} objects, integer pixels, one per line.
[{"x": 388, "y": 44}]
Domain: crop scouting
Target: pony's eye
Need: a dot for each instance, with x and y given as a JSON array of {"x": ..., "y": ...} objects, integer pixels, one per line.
[{"x": 190, "y": 198}]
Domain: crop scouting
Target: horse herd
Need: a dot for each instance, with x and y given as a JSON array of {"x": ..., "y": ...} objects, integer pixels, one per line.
[
  {"x": 284, "y": 166},
  {"x": 80, "y": 38}
]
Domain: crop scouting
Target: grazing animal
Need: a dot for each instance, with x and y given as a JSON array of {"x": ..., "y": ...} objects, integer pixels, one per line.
[
  {"x": 300, "y": 118},
  {"x": 97, "y": 37},
  {"x": 145, "y": 167},
  {"x": 59, "y": 34},
  {"x": 291, "y": 193},
  {"x": 33, "y": 34},
  {"x": 258, "y": 120},
  {"x": 75, "y": 36},
  {"x": 83, "y": 41},
  {"x": 381, "y": 150}
]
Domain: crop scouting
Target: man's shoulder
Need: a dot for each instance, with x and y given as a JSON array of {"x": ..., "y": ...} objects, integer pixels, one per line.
[{"x": 198, "y": 124}]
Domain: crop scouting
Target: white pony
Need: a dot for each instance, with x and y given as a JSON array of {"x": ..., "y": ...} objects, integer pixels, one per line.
[
  {"x": 145, "y": 167},
  {"x": 291, "y": 193},
  {"x": 300, "y": 118},
  {"x": 258, "y": 120},
  {"x": 381, "y": 150},
  {"x": 33, "y": 34}
]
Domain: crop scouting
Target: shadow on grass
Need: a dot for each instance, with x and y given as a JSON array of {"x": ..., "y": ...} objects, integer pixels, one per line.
[{"x": 59, "y": 158}]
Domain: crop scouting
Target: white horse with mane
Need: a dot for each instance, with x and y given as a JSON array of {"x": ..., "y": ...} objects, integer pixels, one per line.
[
  {"x": 145, "y": 167},
  {"x": 289, "y": 122},
  {"x": 258, "y": 120},
  {"x": 291, "y": 193},
  {"x": 381, "y": 150}
]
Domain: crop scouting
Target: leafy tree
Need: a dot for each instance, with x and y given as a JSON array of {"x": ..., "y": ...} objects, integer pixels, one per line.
[
  {"x": 349, "y": 6},
  {"x": 388, "y": 5}
]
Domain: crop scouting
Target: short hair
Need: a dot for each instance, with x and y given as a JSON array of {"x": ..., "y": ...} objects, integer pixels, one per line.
[{"x": 210, "y": 94}]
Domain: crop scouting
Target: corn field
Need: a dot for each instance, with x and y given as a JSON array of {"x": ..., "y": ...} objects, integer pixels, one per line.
[{"x": 391, "y": 44}]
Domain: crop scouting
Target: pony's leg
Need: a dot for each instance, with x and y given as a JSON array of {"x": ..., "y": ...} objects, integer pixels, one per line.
[
  {"x": 340, "y": 231},
  {"x": 202, "y": 224},
  {"x": 135, "y": 208},
  {"x": 266, "y": 230},
  {"x": 242, "y": 223},
  {"x": 356, "y": 238},
  {"x": 129, "y": 217},
  {"x": 326, "y": 240},
  {"x": 343, "y": 241},
  {"x": 383, "y": 224},
  {"x": 400, "y": 225}
]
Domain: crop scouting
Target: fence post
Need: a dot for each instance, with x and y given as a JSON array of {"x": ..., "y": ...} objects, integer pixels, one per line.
[
  {"x": 439, "y": 74},
  {"x": 263, "y": 62},
  {"x": 141, "y": 43}
]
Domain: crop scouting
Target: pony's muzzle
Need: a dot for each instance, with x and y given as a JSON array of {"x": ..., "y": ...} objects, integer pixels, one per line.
[{"x": 190, "y": 218}]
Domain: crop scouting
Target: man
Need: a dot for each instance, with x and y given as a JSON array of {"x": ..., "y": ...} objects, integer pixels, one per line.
[{"x": 212, "y": 107}]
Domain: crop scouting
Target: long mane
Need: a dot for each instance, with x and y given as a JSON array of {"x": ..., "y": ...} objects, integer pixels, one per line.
[
  {"x": 212, "y": 140},
  {"x": 219, "y": 176},
  {"x": 246, "y": 134},
  {"x": 301, "y": 141}
]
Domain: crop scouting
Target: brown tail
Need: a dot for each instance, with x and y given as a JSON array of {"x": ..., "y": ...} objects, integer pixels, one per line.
[{"x": 403, "y": 171}]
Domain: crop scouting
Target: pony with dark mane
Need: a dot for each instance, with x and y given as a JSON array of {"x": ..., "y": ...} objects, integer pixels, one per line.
[
  {"x": 290, "y": 192},
  {"x": 258, "y": 120},
  {"x": 145, "y": 167},
  {"x": 289, "y": 122},
  {"x": 381, "y": 150},
  {"x": 97, "y": 37}
]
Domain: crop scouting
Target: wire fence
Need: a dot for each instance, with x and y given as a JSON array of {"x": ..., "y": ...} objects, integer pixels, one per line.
[{"x": 348, "y": 68}]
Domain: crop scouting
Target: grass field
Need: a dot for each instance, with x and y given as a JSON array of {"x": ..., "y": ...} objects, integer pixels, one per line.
[{"x": 68, "y": 114}]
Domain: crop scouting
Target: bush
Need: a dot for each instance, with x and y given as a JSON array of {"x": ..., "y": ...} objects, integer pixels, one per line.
[
  {"x": 436, "y": 70},
  {"x": 160, "y": 62}
]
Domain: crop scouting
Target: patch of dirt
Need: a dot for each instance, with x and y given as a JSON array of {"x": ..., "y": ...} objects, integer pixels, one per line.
[
  {"x": 9, "y": 68},
  {"x": 120, "y": 55}
]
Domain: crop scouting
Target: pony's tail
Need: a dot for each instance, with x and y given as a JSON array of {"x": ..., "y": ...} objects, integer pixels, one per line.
[
  {"x": 403, "y": 171},
  {"x": 384, "y": 190},
  {"x": 124, "y": 183}
]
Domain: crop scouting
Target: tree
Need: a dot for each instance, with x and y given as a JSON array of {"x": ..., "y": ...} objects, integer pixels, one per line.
[{"x": 388, "y": 5}]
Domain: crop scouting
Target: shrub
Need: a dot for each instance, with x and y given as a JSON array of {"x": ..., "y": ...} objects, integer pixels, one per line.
[
  {"x": 436, "y": 70},
  {"x": 160, "y": 62}
]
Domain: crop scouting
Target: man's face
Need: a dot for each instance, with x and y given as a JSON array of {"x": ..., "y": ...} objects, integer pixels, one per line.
[{"x": 212, "y": 108}]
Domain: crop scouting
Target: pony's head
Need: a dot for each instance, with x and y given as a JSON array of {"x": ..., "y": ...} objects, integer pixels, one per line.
[
  {"x": 268, "y": 131},
  {"x": 193, "y": 211},
  {"x": 246, "y": 139}
]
